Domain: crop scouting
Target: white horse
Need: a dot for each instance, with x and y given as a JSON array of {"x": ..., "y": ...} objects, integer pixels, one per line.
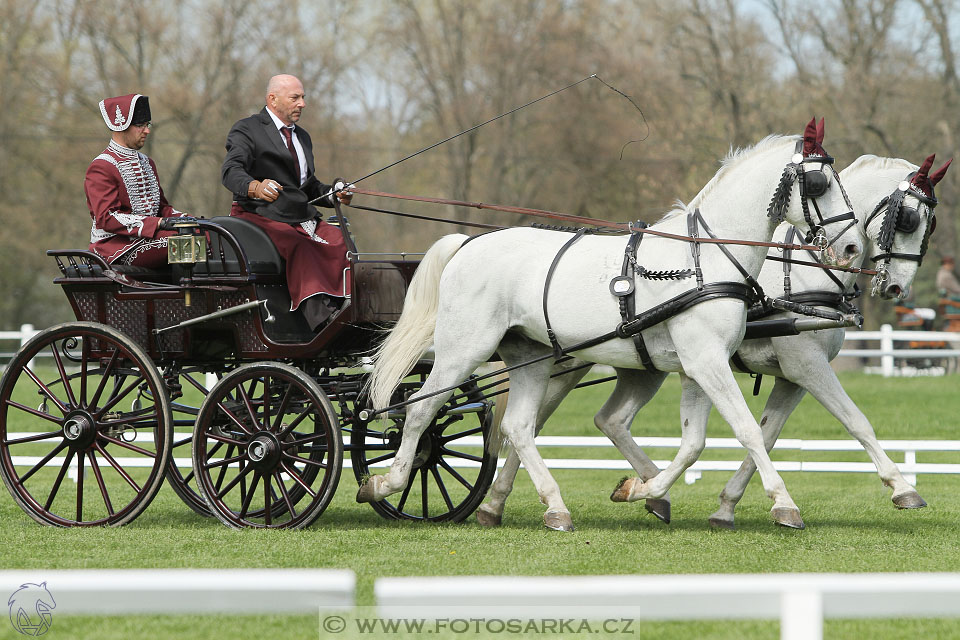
[
  {"x": 472, "y": 300},
  {"x": 800, "y": 363}
]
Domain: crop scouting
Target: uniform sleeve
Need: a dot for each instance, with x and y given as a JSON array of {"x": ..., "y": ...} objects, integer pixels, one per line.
[
  {"x": 102, "y": 186},
  {"x": 235, "y": 172}
]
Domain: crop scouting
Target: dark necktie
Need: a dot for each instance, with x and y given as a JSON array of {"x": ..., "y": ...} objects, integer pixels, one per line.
[{"x": 293, "y": 152}]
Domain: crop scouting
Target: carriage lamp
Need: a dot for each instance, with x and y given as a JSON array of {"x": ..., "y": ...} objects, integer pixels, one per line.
[{"x": 187, "y": 249}]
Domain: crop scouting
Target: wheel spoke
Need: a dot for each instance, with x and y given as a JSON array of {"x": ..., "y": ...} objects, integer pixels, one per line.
[
  {"x": 390, "y": 454},
  {"x": 56, "y": 484},
  {"x": 79, "y": 487},
  {"x": 296, "y": 423},
  {"x": 83, "y": 378},
  {"x": 312, "y": 463},
  {"x": 461, "y": 434},
  {"x": 286, "y": 496},
  {"x": 404, "y": 495},
  {"x": 127, "y": 445},
  {"x": 63, "y": 375},
  {"x": 33, "y": 438},
  {"x": 104, "y": 376},
  {"x": 234, "y": 419},
  {"x": 266, "y": 408},
  {"x": 237, "y": 478},
  {"x": 299, "y": 441},
  {"x": 460, "y": 454},
  {"x": 225, "y": 461},
  {"x": 117, "y": 467},
  {"x": 282, "y": 408},
  {"x": 442, "y": 487},
  {"x": 223, "y": 470},
  {"x": 267, "y": 516},
  {"x": 248, "y": 403},
  {"x": 453, "y": 472},
  {"x": 296, "y": 478},
  {"x": 99, "y": 477},
  {"x": 46, "y": 390},
  {"x": 117, "y": 396},
  {"x": 180, "y": 443},
  {"x": 219, "y": 438},
  {"x": 424, "y": 493},
  {"x": 246, "y": 502},
  {"x": 47, "y": 458}
]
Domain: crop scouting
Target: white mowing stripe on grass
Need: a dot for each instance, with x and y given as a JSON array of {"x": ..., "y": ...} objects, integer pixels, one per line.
[
  {"x": 799, "y": 601},
  {"x": 185, "y": 591}
]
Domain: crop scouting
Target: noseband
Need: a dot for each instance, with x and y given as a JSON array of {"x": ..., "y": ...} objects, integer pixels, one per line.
[
  {"x": 897, "y": 217},
  {"x": 813, "y": 184}
]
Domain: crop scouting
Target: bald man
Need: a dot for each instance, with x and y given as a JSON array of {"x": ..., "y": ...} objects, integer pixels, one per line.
[{"x": 269, "y": 169}]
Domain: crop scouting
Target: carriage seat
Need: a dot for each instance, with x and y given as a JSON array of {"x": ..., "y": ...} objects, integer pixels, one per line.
[{"x": 262, "y": 256}]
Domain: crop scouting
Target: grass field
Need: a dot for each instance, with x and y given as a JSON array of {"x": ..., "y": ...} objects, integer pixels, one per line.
[{"x": 851, "y": 527}]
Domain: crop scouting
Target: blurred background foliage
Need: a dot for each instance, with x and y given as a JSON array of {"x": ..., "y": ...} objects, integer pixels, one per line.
[{"x": 386, "y": 78}]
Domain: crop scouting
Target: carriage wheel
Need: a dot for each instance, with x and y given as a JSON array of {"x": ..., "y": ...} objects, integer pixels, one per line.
[
  {"x": 450, "y": 474},
  {"x": 103, "y": 418},
  {"x": 180, "y": 474},
  {"x": 267, "y": 450}
]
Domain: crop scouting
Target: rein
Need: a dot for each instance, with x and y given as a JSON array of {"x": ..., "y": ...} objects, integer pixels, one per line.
[{"x": 554, "y": 215}]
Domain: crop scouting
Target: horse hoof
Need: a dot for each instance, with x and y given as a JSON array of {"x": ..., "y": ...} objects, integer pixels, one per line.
[
  {"x": 658, "y": 507},
  {"x": 487, "y": 518},
  {"x": 909, "y": 500},
  {"x": 366, "y": 493},
  {"x": 786, "y": 517},
  {"x": 558, "y": 520},
  {"x": 622, "y": 492},
  {"x": 722, "y": 523}
]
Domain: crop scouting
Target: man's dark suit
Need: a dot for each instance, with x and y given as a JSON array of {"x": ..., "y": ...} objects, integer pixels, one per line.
[
  {"x": 314, "y": 251},
  {"x": 257, "y": 151}
]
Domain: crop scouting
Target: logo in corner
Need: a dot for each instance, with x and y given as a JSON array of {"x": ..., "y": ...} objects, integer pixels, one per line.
[{"x": 30, "y": 607}]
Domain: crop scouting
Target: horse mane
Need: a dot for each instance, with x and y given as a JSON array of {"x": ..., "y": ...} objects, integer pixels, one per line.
[
  {"x": 734, "y": 158},
  {"x": 877, "y": 163}
]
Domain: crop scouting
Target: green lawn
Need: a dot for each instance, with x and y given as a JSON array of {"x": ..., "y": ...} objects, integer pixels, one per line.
[{"x": 851, "y": 527}]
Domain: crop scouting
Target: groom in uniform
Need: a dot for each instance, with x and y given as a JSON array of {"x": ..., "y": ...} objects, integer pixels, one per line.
[{"x": 269, "y": 169}]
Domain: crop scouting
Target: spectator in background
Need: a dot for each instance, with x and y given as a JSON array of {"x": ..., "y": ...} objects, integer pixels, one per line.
[{"x": 947, "y": 282}]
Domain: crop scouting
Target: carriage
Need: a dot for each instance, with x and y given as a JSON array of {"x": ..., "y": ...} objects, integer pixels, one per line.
[{"x": 201, "y": 375}]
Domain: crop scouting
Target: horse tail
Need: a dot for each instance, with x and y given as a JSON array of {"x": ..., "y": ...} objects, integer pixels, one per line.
[{"x": 413, "y": 334}]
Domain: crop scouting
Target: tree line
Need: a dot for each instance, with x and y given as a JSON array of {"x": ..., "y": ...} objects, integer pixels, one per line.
[{"x": 385, "y": 79}]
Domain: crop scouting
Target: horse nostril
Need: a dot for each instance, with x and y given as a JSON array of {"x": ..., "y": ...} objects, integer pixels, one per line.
[
  {"x": 852, "y": 251},
  {"x": 894, "y": 291}
]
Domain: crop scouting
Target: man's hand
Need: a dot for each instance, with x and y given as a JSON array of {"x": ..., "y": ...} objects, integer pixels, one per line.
[
  {"x": 267, "y": 190},
  {"x": 340, "y": 189}
]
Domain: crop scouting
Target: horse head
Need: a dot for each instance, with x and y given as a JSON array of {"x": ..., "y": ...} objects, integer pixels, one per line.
[
  {"x": 30, "y": 607},
  {"x": 899, "y": 224},
  {"x": 822, "y": 209}
]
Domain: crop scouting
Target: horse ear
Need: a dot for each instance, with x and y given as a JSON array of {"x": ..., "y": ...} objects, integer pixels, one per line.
[
  {"x": 810, "y": 133},
  {"x": 820, "y": 132},
  {"x": 925, "y": 167},
  {"x": 937, "y": 175}
]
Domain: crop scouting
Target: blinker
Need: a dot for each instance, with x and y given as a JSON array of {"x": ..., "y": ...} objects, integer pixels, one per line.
[
  {"x": 908, "y": 221},
  {"x": 815, "y": 183}
]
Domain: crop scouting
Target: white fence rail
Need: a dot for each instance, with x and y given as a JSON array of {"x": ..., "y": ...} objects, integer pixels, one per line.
[
  {"x": 909, "y": 467},
  {"x": 799, "y": 601},
  {"x": 889, "y": 353},
  {"x": 183, "y": 591}
]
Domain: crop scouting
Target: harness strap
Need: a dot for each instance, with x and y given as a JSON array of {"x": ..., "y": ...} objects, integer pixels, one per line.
[
  {"x": 787, "y": 254},
  {"x": 684, "y": 301},
  {"x": 751, "y": 281},
  {"x": 627, "y": 297},
  {"x": 557, "y": 349},
  {"x": 695, "y": 246}
]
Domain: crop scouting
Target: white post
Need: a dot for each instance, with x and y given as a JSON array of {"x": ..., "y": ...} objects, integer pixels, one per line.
[
  {"x": 886, "y": 346},
  {"x": 27, "y": 332},
  {"x": 801, "y": 615}
]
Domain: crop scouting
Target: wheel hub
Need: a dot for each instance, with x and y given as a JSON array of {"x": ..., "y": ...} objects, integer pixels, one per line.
[
  {"x": 79, "y": 430},
  {"x": 264, "y": 452}
]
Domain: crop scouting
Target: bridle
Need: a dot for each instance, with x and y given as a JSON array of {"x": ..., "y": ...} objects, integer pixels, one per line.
[
  {"x": 897, "y": 217},
  {"x": 813, "y": 184}
]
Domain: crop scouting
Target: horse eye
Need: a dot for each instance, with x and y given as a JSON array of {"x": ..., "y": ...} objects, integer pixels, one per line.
[
  {"x": 908, "y": 220},
  {"x": 816, "y": 184}
]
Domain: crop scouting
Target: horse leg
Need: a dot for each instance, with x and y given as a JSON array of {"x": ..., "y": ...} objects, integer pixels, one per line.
[
  {"x": 490, "y": 513},
  {"x": 694, "y": 412},
  {"x": 528, "y": 386},
  {"x": 716, "y": 379},
  {"x": 634, "y": 389},
  {"x": 822, "y": 383},
  {"x": 782, "y": 401}
]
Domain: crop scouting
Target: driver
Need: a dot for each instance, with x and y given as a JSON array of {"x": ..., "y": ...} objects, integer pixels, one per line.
[
  {"x": 269, "y": 168},
  {"x": 131, "y": 217}
]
